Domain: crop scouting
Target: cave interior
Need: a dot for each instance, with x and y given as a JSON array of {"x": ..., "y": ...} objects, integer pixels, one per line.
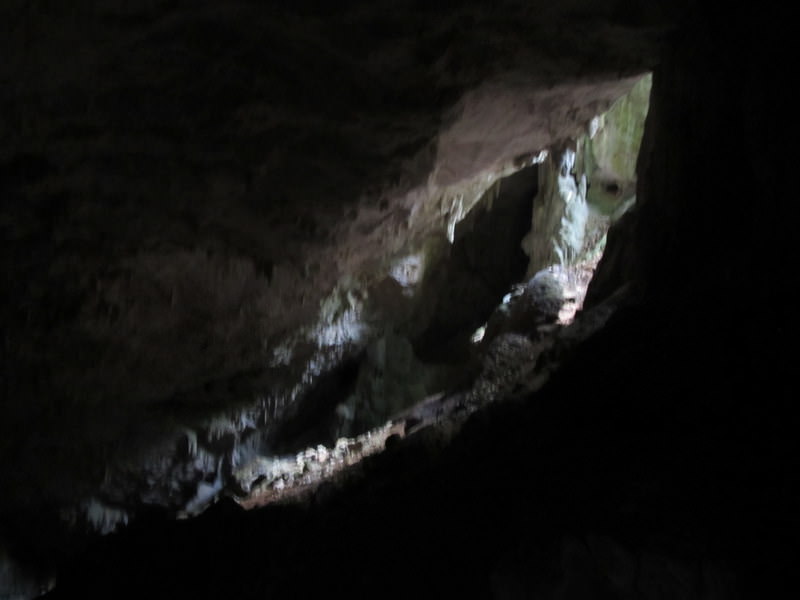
[{"x": 293, "y": 300}]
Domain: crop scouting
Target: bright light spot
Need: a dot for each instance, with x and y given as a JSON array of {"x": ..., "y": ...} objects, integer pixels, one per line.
[
  {"x": 478, "y": 335},
  {"x": 456, "y": 213},
  {"x": 348, "y": 328},
  {"x": 594, "y": 125},
  {"x": 408, "y": 270},
  {"x": 539, "y": 158}
]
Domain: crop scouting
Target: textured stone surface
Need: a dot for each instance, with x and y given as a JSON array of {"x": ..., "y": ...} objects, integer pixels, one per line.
[
  {"x": 531, "y": 305},
  {"x": 608, "y": 153},
  {"x": 587, "y": 183},
  {"x": 560, "y": 213}
]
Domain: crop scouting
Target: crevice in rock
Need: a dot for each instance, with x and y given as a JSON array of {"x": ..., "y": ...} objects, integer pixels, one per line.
[
  {"x": 313, "y": 420},
  {"x": 485, "y": 259}
]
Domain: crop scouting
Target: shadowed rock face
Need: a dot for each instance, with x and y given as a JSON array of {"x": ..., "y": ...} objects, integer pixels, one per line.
[
  {"x": 195, "y": 194},
  {"x": 187, "y": 186}
]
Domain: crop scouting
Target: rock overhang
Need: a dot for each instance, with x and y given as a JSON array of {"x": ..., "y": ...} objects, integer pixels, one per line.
[{"x": 188, "y": 207}]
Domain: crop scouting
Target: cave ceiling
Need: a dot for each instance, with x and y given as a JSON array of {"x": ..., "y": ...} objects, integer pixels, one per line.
[{"x": 186, "y": 184}]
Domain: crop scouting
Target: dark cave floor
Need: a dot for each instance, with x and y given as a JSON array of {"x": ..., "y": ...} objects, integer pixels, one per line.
[{"x": 602, "y": 485}]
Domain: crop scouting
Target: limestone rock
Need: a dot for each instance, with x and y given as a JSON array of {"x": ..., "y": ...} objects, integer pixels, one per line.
[
  {"x": 528, "y": 307},
  {"x": 507, "y": 359}
]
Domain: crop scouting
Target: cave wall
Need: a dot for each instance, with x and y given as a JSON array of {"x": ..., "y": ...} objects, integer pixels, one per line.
[
  {"x": 560, "y": 212},
  {"x": 198, "y": 200},
  {"x": 644, "y": 435},
  {"x": 587, "y": 182},
  {"x": 608, "y": 153},
  {"x": 715, "y": 94}
]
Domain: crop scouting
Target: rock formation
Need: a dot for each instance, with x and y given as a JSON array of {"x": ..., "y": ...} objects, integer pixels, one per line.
[{"x": 233, "y": 228}]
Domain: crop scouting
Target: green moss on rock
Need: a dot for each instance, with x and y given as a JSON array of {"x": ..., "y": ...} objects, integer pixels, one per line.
[{"x": 609, "y": 157}]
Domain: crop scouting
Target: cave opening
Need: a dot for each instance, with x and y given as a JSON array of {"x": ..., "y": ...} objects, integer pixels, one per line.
[
  {"x": 244, "y": 211},
  {"x": 508, "y": 274},
  {"x": 463, "y": 315}
]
